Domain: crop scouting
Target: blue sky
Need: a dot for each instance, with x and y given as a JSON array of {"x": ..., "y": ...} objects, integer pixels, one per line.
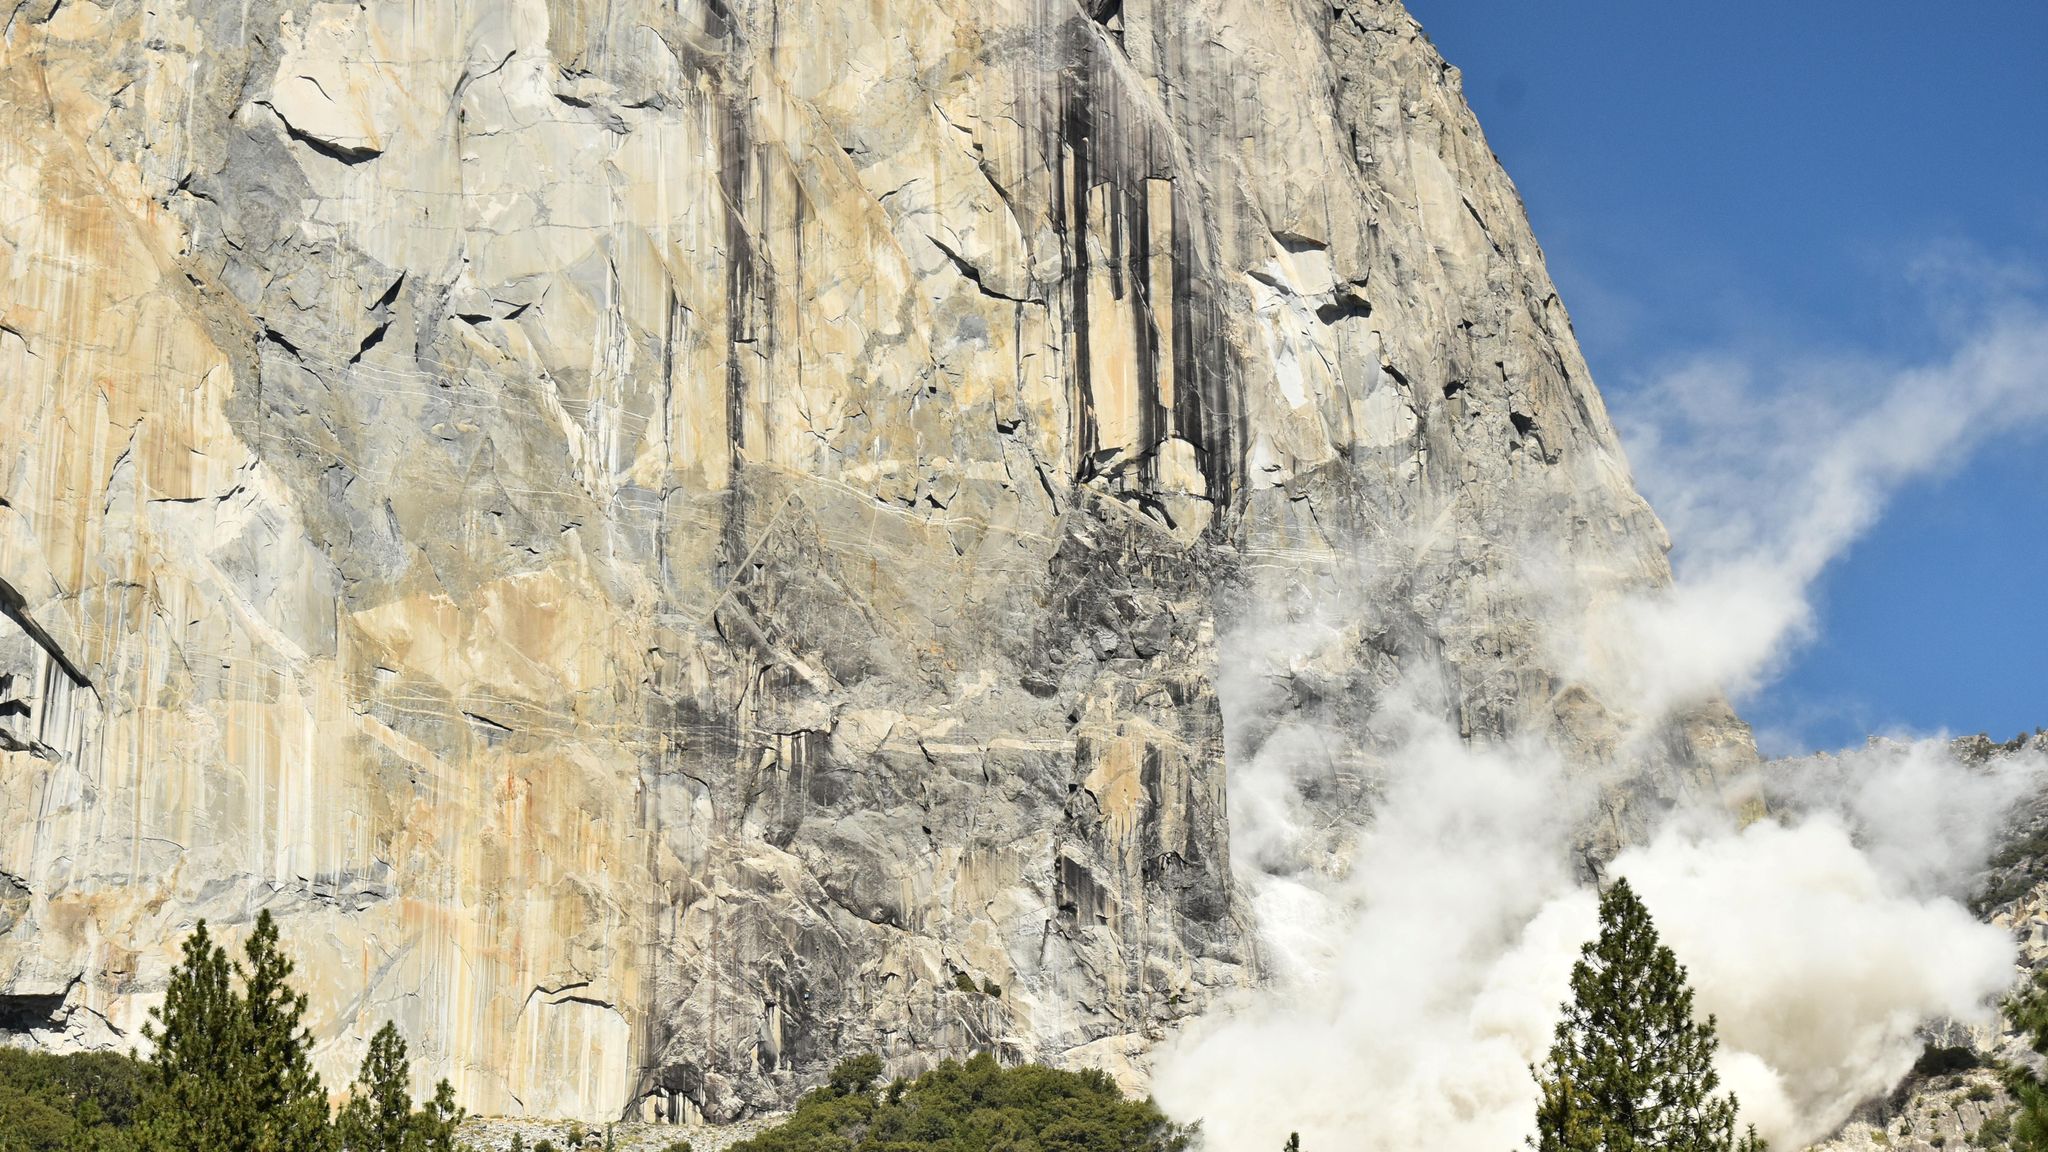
[{"x": 1828, "y": 179}]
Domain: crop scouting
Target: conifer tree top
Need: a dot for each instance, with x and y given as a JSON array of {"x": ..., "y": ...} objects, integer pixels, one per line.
[{"x": 1630, "y": 1068}]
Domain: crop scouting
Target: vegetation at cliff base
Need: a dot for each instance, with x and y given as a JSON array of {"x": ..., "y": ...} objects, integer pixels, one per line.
[
  {"x": 231, "y": 1072},
  {"x": 86, "y": 1100},
  {"x": 976, "y": 1106},
  {"x": 1630, "y": 1068}
]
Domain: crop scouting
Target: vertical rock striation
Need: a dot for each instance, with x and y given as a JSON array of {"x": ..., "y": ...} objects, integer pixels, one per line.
[{"x": 670, "y": 539}]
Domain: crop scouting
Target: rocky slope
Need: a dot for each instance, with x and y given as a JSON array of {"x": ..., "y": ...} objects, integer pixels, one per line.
[{"x": 668, "y": 539}]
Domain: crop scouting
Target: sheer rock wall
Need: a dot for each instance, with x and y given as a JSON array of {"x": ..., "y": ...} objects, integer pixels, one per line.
[{"x": 666, "y": 538}]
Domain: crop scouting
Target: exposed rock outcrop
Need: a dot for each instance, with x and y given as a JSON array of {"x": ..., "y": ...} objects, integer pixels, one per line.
[{"x": 670, "y": 539}]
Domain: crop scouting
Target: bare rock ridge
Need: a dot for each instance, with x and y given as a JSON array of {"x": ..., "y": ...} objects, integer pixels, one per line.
[{"x": 670, "y": 540}]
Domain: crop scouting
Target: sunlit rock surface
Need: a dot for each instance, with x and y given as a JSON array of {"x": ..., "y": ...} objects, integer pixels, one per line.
[{"x": 666, "y": 539}]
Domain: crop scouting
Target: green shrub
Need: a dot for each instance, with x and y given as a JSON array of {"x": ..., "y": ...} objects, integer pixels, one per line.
[
  {"x": 855, "y": 1075},
  {"x": 962, "y": 982},
  {"x": 1940, "y": 1060},
  {"x": 976, "y": 1105}
]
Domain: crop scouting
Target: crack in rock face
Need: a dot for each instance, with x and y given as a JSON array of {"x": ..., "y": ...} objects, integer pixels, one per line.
[{"x": 730, "y": 509}]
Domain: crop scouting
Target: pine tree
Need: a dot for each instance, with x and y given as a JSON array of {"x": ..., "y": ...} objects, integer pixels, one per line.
[
  {"x": 1630, "y": 1069},
  {"x": 436, "y": 1123},
  {"x": 231, "y": 1068},
  {"x": 379, "y": 1115},
  {"x": 281, "y": 1083},
  {"x": 201, "y": 1034},
  {"x": 379, "y": 1110}
]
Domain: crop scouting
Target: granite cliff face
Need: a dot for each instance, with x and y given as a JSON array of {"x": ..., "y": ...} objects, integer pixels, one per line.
[{"x": 668, "y": 538}]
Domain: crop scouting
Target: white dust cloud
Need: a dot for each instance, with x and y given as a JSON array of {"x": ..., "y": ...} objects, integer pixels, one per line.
[
  {"x": 1763, "y": 478},
  {"x": 1419, "y": 956}
]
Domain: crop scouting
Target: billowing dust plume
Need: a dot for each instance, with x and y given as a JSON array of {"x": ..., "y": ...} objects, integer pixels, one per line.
[{"x": 1418, "y": 955}]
